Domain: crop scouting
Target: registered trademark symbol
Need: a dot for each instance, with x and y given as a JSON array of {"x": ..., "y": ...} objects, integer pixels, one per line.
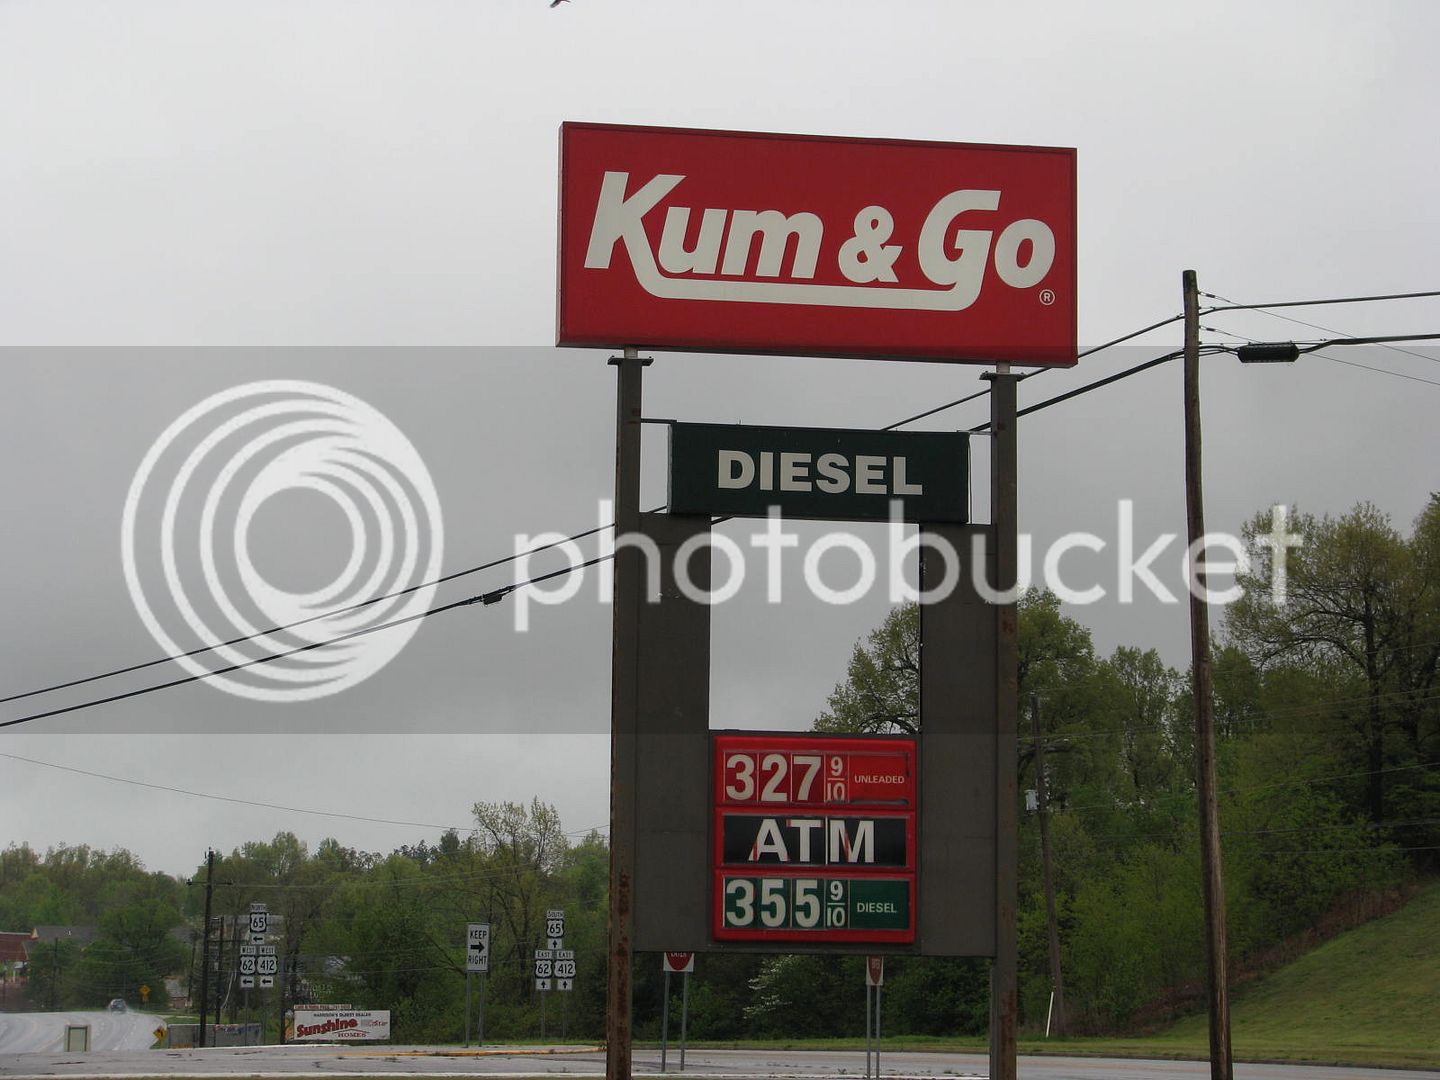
[{"x": 1047, "y": 296}]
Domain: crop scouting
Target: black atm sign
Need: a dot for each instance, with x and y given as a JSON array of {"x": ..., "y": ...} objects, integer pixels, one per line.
[{"x": 813, "y": 840}]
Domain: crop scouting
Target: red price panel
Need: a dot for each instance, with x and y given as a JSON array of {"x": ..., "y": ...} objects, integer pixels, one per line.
[
  {"x": 814, "y": 839},
  {"x": 799, "y": 771}
]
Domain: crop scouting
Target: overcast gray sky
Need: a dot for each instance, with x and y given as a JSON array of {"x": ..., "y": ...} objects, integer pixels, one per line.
[{"x": 359, "y": 173}]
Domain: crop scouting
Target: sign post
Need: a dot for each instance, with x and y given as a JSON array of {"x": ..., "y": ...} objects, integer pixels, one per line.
[
  {"x": 477, "y": 958},
  {"x": 874, "y": 978},
  {"x": 685, "y": 1009},
  {"x": 682, "y": 964},
  {"x": 624, "y": 714}
]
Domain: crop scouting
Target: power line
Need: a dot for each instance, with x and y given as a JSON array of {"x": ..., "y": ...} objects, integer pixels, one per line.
[
  {"x": 248, "y": 802},
  {"x": 1031, "y": 374},
  {"x": 1379, "y": 371},
  {"x": 302, "y": 622},
  {"x": 1315, "y": 303},
  {"x": 483, "y": 598},
  {"x": 1311, "y": 325}
]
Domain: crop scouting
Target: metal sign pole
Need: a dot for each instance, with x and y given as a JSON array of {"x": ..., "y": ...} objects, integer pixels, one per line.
[
  {"x": 877, "y": 1032},
  {"x": 543, "y": 996},
  {"x": 684, "y": 1015},
  {"x": 467, "y": 1010},
  {"x": 624, "y": 714},
  {"x": 665, "y": 1022},
  {"x": 1004, "y": 979},
  {"x": 480, "y": 1033},
  {"x": 869, "y": 1017}
]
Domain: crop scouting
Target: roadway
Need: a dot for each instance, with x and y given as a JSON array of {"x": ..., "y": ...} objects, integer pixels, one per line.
[{"x": 380, "y": 1061}]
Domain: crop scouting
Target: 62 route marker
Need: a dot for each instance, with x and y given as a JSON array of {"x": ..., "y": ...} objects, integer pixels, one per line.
[{"x": 787, "y": 806}]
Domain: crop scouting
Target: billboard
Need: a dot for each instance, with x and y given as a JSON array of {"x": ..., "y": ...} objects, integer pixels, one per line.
[
  {"x": 330, "y": 1024},
  {"x": 804, "y": 245}
]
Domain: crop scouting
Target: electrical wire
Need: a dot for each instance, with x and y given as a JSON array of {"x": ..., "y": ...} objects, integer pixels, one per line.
[
  {"x": 1379, "y": 371},
  {"x": 1315, "y": 303},
  {"x": 482, "y": 598},
  {"x": 314, "y": 618},
  {"x": 249, "y": 802},
  {"x": 1313, "y": 326}
]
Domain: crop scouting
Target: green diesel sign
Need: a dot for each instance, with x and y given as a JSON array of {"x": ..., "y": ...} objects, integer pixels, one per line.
[{"x": 826, "y": 473}]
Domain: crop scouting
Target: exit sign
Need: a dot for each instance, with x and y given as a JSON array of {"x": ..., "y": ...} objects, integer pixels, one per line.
[{"x": 814, "y": 839}]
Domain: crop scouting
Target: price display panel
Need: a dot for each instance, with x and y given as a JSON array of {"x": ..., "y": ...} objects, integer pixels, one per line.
[{"x": 814, "y": 839}]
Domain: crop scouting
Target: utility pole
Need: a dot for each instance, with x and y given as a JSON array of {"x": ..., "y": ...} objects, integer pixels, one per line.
[
  {"x": 205, "y": 949},
  {"x": 1211, "y": 870},
  {"x": 1057, "y": 983}
]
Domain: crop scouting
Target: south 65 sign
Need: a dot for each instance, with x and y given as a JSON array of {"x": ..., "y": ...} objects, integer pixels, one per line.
[{"x": 735, "y": 242}]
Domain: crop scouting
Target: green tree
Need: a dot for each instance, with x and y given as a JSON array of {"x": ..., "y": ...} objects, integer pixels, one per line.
[{"x": 1360, "y": 604}]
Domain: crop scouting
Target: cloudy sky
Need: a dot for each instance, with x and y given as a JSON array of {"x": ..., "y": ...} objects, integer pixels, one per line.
[{"x": 361, "y": 193}]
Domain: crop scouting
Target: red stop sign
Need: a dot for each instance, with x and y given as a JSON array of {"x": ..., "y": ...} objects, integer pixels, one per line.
[{"x": 679, "y": 962}]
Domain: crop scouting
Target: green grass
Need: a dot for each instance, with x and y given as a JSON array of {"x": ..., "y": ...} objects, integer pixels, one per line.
[{"x": 1370, "y": 996}]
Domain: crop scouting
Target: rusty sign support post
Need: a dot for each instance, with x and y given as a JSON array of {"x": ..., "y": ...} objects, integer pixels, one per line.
[
  {"x": 1004, "y": 978},
  {"x": 624, "y": 713}
]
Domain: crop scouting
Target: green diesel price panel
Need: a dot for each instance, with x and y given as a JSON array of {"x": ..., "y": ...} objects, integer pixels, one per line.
[{"x": 803, "y": 905}]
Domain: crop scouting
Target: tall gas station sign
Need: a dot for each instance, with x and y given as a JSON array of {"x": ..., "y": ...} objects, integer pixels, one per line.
[
  {"x": 797, "y": 245},
  {"x": 738, "y": 242}
]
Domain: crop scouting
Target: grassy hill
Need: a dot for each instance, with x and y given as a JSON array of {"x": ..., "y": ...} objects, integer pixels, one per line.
[{"x": 1369, "y": 996}]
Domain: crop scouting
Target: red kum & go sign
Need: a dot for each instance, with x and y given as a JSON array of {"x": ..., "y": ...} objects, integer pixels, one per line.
[{"x": 801, "y": 245}]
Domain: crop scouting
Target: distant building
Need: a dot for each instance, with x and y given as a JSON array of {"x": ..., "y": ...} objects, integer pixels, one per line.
[{"x": 12, "y": 947}]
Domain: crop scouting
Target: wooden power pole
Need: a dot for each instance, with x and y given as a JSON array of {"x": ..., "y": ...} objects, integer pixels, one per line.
[
  {"x": 205, "y": 948},
  {"x": 1212, "y": 873}
]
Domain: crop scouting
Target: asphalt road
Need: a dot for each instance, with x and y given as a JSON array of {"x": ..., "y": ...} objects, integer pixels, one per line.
[
  {"x": 44, "y": 1033},
  {"x": 327, "y": 1061}
]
